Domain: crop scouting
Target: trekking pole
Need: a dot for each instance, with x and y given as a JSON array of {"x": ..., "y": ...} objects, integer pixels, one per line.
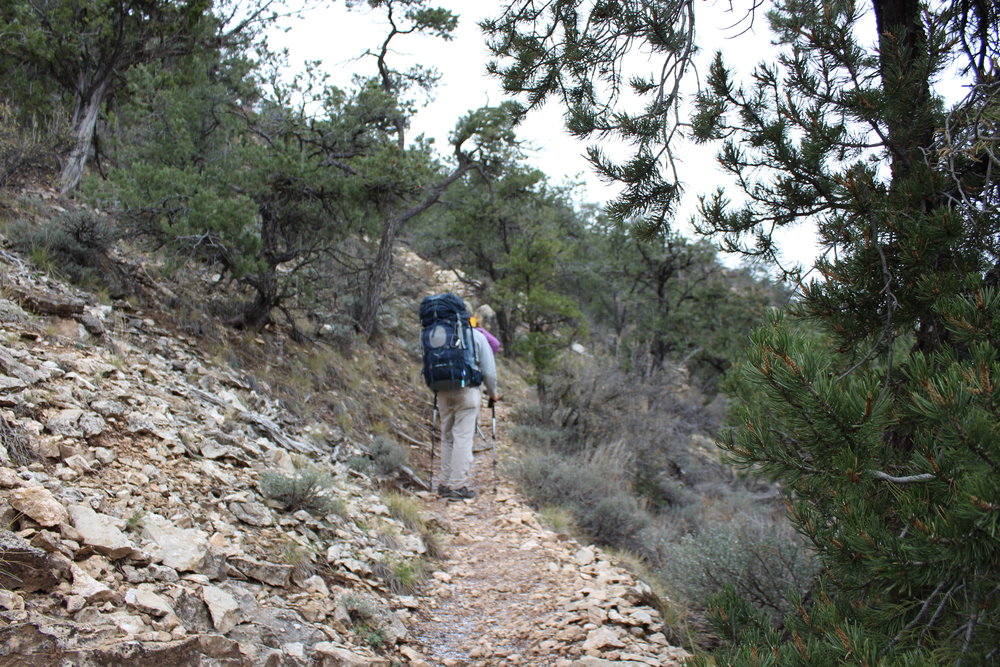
[
  {"x": 434, "y": 416},
  {"x": 493, "y": 425}
]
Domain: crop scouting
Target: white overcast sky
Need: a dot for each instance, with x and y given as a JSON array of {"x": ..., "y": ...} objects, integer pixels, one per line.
[{"x": 337, "y": 36}]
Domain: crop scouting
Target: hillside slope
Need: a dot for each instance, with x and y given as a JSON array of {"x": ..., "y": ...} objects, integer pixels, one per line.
[{"x": 137, "y": 531}]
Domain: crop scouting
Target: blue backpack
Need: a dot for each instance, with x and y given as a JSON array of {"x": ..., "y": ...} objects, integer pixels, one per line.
[{"x": 450, "y": 358}]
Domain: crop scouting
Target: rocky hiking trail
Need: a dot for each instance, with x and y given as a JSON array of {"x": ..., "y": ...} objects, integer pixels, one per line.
[
  {"x": 512, "y": 592},
  {"x": 135, "y": 527}
]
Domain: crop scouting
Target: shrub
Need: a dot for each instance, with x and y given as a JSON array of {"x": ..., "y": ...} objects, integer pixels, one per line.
[
  {"x": 300, "y": 557},
  {"x": 304, "y": 490},
  {"x": 558, "y": 519},
  {"x": 616, "y": 520},
  {"x": 387, "y": 456},
  {"x": 74, "y": 244},
  {"x": 15, "y": 441},
  {"x": 405, "y": 510},
  {"x": 591, "y": 491},
  {"x": 29, "y": 152},
  {"x": 359, "y": 607},
  {"x": 761, "y": 558},
  {"x": 401, "y": 577}
]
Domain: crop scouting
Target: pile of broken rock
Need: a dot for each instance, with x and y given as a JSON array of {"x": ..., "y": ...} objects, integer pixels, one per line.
[{"x": 132, "y": 526}]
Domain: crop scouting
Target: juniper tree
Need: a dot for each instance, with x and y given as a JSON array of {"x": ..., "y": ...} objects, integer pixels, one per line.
[
  {"x": 481, "y": 139},
  {"x": 516, "y": 239},
  {"x": 875, "y": 401},
  {"x": 79, "y": 52}
]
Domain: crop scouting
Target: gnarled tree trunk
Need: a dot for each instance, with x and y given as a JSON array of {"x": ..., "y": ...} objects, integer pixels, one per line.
[{"x": 88, "y": 108}]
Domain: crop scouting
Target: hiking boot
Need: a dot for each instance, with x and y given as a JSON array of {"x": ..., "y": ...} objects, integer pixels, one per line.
[
  {"x": 443, "y": 491},
  {"x": 465, "y": 493}
]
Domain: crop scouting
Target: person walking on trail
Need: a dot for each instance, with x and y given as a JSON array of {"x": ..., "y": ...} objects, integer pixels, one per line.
[
  {"x": 459, "y": 419},
  {"x": 490, "y": 338},
  {"x": 483, "y": 445},
  {"x": 458, "y": 364}
]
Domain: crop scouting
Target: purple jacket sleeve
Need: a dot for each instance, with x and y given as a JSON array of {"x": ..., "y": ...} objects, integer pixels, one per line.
[{"x": 494, "y": 343}]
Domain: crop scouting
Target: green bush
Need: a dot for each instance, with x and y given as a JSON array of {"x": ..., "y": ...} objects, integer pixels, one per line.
[
  {"x": 404, "y": 509},
  {"x": 306, "y": 490},
  {"x": 617, "y": 520},
  {"x": 401, "y": 576},
  {"x": 75, "y": 245},
  {"x": 591, "y": 491},
  {"x": 762, "y": 558},
  {"x": 387, "y": 456}
]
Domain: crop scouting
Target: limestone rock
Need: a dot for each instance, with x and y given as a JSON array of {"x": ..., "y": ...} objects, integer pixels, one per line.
[
  {"x": 65, "y": 422},
  {"x": 11, "y": 601},
  {"x": 192, "y": 611},
  {"x": 585, "y": 556},
  {"x": 183, "y": 549},
  {"x": 10, "y": 366},
  {"x": 100, "y": 532},
  {"x": 91, "y": 424},
  {"x": 108, "y": 408},
  {"x": 9, "y": 479},
  {"x": 316, "y": 584},
  {"x": 269, "y": 573},
  {"x": 252, "y": 513},
  {"x": 148, "y": 602},
  {"x": 89, "y": 588},
  {"x": 38, "y": 503},
  {"x": 25, "y": 567},
  {"x": 10, "y": 384},
  {"x": 223, "y": 607},
  {"x": 602, "y": 638},
  {"x": 328, "y": 654}
]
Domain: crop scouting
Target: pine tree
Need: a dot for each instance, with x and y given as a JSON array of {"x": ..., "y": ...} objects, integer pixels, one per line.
[{"x": 875, "y": 400}]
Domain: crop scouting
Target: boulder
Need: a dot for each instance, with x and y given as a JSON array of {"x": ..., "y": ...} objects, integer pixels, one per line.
[
  {"x": 328, "y": 654},
  {"x": 223, "y": 607},
  {"x": 252, "y": 513},
  {"x": 39, "y": 504},
  {"x": 25, "y": 567},
  {"x": 101, "y": 532},
  {"x": 89, "y": 588},
  {"x": 268, "y": 573},
  {"x": 65, "y": 422},
  {"x": 183, "y": 549},
  {"x": 192, "y": 611},
  {"x": 11, "y": 601},
  {"x": 91, "y": 424},
  {"x": 148, "y": 602},
  {"x": 602, "y": 638}
]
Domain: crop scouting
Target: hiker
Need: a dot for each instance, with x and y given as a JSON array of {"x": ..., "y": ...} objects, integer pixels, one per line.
[
  {"x": 483, "y": 445},
  {"x": 490, "y": 338},
  {"x": 458, "y": 364}
]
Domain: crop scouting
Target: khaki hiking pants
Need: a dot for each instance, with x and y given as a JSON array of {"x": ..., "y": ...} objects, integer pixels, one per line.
[{"x": 459, "y": 416}]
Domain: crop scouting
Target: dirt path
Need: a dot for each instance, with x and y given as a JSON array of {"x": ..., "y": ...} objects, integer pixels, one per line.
[{"x": 512, "y": 592}]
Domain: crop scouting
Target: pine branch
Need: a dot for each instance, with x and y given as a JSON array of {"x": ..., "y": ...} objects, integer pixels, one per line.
[{"x": 925, "y": 477}]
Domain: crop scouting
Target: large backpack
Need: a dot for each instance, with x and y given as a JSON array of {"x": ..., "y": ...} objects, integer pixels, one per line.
[{"x": 450, "y": 358}]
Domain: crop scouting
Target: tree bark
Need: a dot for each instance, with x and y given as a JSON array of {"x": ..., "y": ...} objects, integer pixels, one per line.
[
  {"x": 378, "y": 276},
  {"x": 85, "y": 116},
  {"x": 902, "y": 62}
]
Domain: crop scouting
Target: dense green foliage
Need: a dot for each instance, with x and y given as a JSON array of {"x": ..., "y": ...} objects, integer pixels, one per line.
[
  {"x": 874, "y": 402},
  {"x": 287, "y": 199}
]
